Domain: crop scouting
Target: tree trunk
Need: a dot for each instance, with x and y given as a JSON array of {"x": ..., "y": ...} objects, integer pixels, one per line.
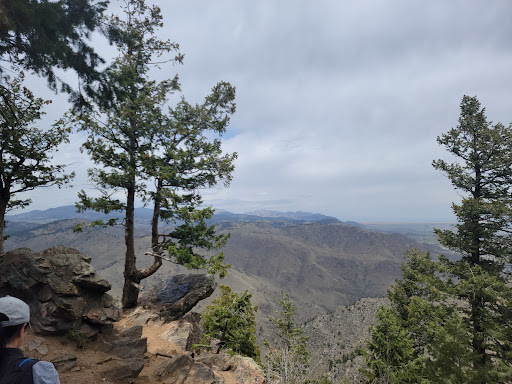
[
  {"x": 130, "y": 289},
  {"x": 477, "y": 303},
  {"x": 157, "y": 261},
  {"x": 477, "y": 343},
  {"x": 3, "y": 208},
  {"x": 156, "y": 217}
]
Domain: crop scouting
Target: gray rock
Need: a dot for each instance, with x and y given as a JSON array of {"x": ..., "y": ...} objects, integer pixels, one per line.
[
  {"x": 134, "y": 332},
  {"x": 181, "y": 363},
  {"x": 107, "y": 329},
  {"x": 64, "y": 363},
  {"x": 88, "y": 331},
  {"x": 178, "y": 295},
  {"x": 248, "y": 371},
  {"x": 34, "y": 343},
  {"x": 200, "y": 374},
  {"x": 123, "y": 369},
  {"x": 217, "y": 361},
  {"x": 126, "y": 347},
  {"x": 62, "y": 289},
  {"x": 42, "y": 349},
  {"x": 194, "y": 337},
  {"x": 93, "y": 284}
]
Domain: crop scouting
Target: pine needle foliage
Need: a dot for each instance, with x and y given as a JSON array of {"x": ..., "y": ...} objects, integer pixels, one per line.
[
  {"x": 42, "y": 36},
  {"x": 479, "y": 279},
  {"x": 25, "y": 149},
  {"x": 231, "y": 320},
  {"x": 449, "y": 320},
  {"x": 288, "y": 358},
  {"x": 145, "y": 148}
]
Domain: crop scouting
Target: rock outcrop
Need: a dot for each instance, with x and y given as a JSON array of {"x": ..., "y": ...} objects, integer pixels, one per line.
[
  {"x": 177, "y": 296},
  {"x": 171, "y": 362},
  {"x": 165, "y": 337},
  {"x": 243, "y": 369},
  {"x": 208, "y": 368},
  {"x": 62, "y": 289},
  {"x": 66, "y": 297},
  {"x": 120, "y": 370}
]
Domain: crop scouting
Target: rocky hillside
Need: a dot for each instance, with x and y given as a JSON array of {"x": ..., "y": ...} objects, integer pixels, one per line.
[
  {"x": 81, "y": 329},
  {"x": 321, "y": 266},
  {"x": 324, "y": 265},
  {"x": 336, "y": 337}
]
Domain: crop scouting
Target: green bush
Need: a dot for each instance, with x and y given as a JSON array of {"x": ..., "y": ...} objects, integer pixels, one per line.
[{"x": 231, "y": 320}]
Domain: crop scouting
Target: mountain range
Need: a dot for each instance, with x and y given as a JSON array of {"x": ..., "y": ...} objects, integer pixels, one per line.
[
  {"x": 335, "y": 272},
  {"x": 320, "y": 261},
  {"x": 143, "y": 216}
]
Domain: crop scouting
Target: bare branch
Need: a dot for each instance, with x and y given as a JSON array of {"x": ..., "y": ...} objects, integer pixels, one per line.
[{"x": 161, "y": 257}]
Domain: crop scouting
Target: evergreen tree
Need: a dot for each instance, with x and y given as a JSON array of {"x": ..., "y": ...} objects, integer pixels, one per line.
[
  {"x": 135, "y": 139},
  {"x": 43, "y": 35},
  {"x": 419, "y": 338},
  {"x": 451, "y": 318},
  {"x": 25, "y": 149},
  {"x": 390, "y": 354},
  {"x": 483, "y": 175},
  {"x": 231, "y": 320},
  {"x": 288, "y": 356}
]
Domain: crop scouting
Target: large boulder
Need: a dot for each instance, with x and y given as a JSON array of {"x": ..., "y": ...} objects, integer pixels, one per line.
[
  {"x": 171, "y": 360},
  {"x": 62, "y": 289},
  {"x": 175, "y": 297}
]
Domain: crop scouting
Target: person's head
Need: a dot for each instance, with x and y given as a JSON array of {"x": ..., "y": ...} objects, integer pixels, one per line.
[{"x": 14, "y": 319}]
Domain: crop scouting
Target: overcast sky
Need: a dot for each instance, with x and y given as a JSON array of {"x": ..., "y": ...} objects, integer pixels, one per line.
[{"x": 339, "y": 103}]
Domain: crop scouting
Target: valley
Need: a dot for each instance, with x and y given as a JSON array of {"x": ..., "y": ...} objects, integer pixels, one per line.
[
  {"x": 326, "y": 267},
  {"x": 322, "y": 264}
]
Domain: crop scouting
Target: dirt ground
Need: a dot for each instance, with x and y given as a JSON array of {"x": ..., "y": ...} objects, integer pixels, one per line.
[{"x": 91, "y": 361}]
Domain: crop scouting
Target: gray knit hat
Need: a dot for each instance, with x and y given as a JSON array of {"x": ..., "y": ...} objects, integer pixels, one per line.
[{"x": 16, "y": 310}]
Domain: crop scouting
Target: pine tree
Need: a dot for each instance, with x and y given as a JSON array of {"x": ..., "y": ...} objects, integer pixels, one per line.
[
  {"x": 478, "y": 280},
  {"x": 137, "y": 140},
  {"x": 390, "y": 354},
  {"x": 230, "y": 319},
  {"x": 288, "y": 356},
  {"x": 41, "y": 36},
  {"x": 25, "y": 149},
  {"x": 419, "y": 338},
  {"x": 455, "y": 314}
]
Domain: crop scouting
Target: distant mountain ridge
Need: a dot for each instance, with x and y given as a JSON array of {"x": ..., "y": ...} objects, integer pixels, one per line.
[
  {"x": 69, "y": 212},
  {"x": 143, "y": 216}
]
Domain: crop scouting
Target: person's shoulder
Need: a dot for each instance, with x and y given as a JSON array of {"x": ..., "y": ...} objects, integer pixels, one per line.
[{"x": 44, "y": 372}]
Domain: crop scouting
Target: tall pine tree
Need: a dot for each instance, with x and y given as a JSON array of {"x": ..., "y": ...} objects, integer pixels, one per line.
[
  {"x": 137, "y": 140},
  {"x": 478, "y": 280},
  {"x": 456, "y": 314}
]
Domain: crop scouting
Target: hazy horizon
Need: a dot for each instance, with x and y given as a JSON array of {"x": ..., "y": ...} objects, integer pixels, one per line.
[
  {"x": 411, "y": 221},
  {"x": 339, "y": 104}
]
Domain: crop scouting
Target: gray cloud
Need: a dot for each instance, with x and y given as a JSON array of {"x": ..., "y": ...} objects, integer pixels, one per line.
[{"x": 339, "y": 103}]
